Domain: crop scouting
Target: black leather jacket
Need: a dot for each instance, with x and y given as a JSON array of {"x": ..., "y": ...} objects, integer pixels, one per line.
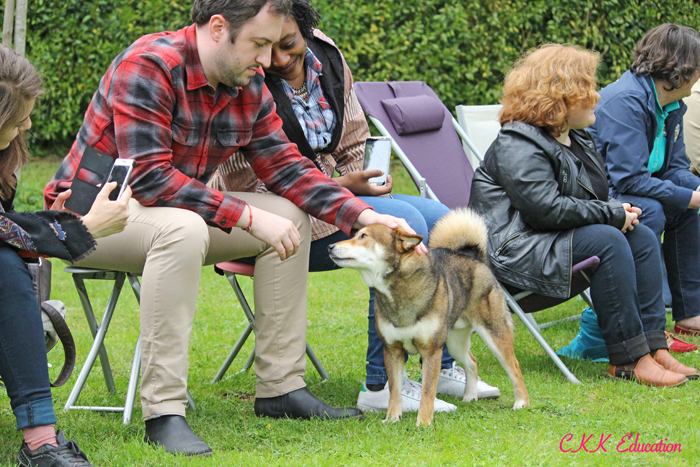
[{"x": 532, "y": 192}]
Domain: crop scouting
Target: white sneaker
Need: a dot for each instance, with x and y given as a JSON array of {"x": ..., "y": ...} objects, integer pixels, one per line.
[
  {"x": 378, "y": 401},
  {"x": 453, "y": 380}
]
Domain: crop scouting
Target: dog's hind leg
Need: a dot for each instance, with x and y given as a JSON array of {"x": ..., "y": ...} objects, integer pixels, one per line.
[
  {"x": 431, "y": 372},
  {"x": 393, "y": 360},
  {"x": 500, "y": 340},
  {"x": 459, "y": 345}
]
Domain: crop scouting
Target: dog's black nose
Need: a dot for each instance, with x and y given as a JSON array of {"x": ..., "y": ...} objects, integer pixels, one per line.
[{"x": 330, "y": 247}]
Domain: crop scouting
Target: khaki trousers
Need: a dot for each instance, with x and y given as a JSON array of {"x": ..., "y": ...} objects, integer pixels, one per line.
[{"x": 169, "y": 246}]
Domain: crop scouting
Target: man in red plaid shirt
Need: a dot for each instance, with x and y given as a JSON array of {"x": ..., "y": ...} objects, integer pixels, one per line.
[{"x": 180, "y": 104}]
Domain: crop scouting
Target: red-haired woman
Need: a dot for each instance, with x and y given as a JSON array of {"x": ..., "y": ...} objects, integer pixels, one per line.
[{"x": 543, "y": 192}]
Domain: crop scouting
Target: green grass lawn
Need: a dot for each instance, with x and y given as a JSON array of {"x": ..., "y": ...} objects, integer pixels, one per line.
[{"x": 482, "y": 433}]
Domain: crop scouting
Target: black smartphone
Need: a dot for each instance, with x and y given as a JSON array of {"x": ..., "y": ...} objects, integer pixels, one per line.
[
  {"x": 91, "y": 174},
  {"x": 377, "y": 156}
]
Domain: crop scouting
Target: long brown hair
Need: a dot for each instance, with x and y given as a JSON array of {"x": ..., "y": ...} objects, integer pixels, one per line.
[{"x": 19, "y": 84}]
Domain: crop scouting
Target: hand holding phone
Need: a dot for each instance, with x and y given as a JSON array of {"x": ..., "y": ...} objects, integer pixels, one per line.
[
  {"x": 95, "y": 169},
  {"x": 108, "y": 217},
  {"x": 378, "y": 157}
]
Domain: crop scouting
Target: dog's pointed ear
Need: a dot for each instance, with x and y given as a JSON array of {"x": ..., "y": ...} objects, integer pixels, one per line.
[{"x": 407, "y": 241}]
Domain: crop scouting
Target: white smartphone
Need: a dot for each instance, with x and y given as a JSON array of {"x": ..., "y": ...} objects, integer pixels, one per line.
[
  {"x": 378, "y": 156},
  {"x": 120, "y": 173}
]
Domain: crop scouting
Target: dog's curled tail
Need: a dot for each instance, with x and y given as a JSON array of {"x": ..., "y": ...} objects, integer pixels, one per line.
[{"x": 459, "y": 229}]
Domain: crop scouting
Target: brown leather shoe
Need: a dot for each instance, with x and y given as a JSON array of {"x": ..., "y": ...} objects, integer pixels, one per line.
[
  {"x": 666, "y": 360},
  {"x": 647, "y": 371}
]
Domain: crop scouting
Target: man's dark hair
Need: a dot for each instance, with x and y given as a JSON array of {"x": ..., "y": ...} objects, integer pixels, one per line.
[
  {"x": 670, "y": 53},
  {"x": 236, "y": 12},
  {"x": 306, "y": 16}
]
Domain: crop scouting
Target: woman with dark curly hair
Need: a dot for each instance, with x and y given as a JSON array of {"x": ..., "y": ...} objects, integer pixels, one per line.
[
  {"x": 639, "y": 132},
  {"x": 313, "y": 89},
  {"x": 543, "y": 192}
]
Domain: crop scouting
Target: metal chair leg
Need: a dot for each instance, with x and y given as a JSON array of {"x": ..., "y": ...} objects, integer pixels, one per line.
[
  {"x": 246, "y": 333},
  {"x": 133, "y": 383},
  {"x": 586, "y": 295},
  {"x": 531, "y": 319},
  {"x": 248, "y": 363},
  {"x": 97, "y": 347},
  {"x": 92, "y": 321},
  {"x": 316, "y": 362},
  {"x": 232, "y": 355},
  {"x": 190, "y": 401},
  {"x": 513, "y": 305}
]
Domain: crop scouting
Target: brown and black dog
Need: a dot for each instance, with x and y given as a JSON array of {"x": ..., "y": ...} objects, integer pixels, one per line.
[{"x": 426, "y": 300}]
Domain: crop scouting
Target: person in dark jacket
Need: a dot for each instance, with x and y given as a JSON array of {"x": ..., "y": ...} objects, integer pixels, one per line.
[
  {"x": 639, "y": 132},
  {"x": 544, "y": 197},
  {"x": 312, "y": 86},
  {"x": 55, "y": 232}
]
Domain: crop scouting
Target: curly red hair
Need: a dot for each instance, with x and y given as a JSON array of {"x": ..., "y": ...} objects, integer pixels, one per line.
[{"x": 545, "y": 83}]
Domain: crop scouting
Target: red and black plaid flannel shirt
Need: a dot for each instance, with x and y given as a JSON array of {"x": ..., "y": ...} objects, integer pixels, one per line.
[{"x": 154, "y": 105}]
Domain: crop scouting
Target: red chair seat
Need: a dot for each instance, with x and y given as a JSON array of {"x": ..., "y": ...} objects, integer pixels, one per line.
[{"x": 237, "y": 268}]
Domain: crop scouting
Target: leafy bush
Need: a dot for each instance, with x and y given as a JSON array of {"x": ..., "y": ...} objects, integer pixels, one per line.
[
  {"x": 73, "y": 42},
  {"x": 460, "y": 48}
]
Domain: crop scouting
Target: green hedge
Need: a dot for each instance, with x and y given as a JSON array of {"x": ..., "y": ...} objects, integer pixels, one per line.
[
  {"x": 461, "y": 48},
  {"x": 73, "y": 42}
]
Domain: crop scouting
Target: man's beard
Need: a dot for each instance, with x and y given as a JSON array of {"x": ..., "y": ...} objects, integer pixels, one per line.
[
  {"x": 235, "y": 80},
  {"x": 233, "y": 76}
]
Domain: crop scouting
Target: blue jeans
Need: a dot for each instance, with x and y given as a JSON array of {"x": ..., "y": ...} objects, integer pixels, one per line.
[
  {"x": 681, "y": 244},
  {"x": 23, "y": 364},
  {"x": 421, "y": 214},
  {"x": 625, "y": 289}
]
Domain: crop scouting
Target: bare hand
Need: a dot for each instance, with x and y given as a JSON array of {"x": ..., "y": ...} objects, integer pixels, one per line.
[
  {"x": 694, "y": 201},
  {"x": 358, "y": 183},
  {"x": 60, "y": 201},
  {"x": 630, "y": 221},
  {"x": 628, "y": 207},
  {"x": 368, "y": 217},
  {"x": 278, "y": 232},
  {"x": 106, "y": 217}
]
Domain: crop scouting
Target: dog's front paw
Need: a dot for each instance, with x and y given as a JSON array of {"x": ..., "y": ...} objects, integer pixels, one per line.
[
  {"x": 519, "y": 404},
  {"x": 421, "y": 422},
  {"x": 470, "y": 397},
  {"x": 392, "y": 418}
]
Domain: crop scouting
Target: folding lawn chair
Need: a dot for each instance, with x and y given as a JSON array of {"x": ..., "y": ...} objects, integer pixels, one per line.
[
  {"x": 231, "y": 269},
  {"x": 423, "y": 131},
  {"x": 99, "y": 333}
]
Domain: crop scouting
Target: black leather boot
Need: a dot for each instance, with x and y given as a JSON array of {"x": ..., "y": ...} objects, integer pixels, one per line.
[
  {"x": 304, "y": 405},
  {"x": 175, "y": 435}
]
